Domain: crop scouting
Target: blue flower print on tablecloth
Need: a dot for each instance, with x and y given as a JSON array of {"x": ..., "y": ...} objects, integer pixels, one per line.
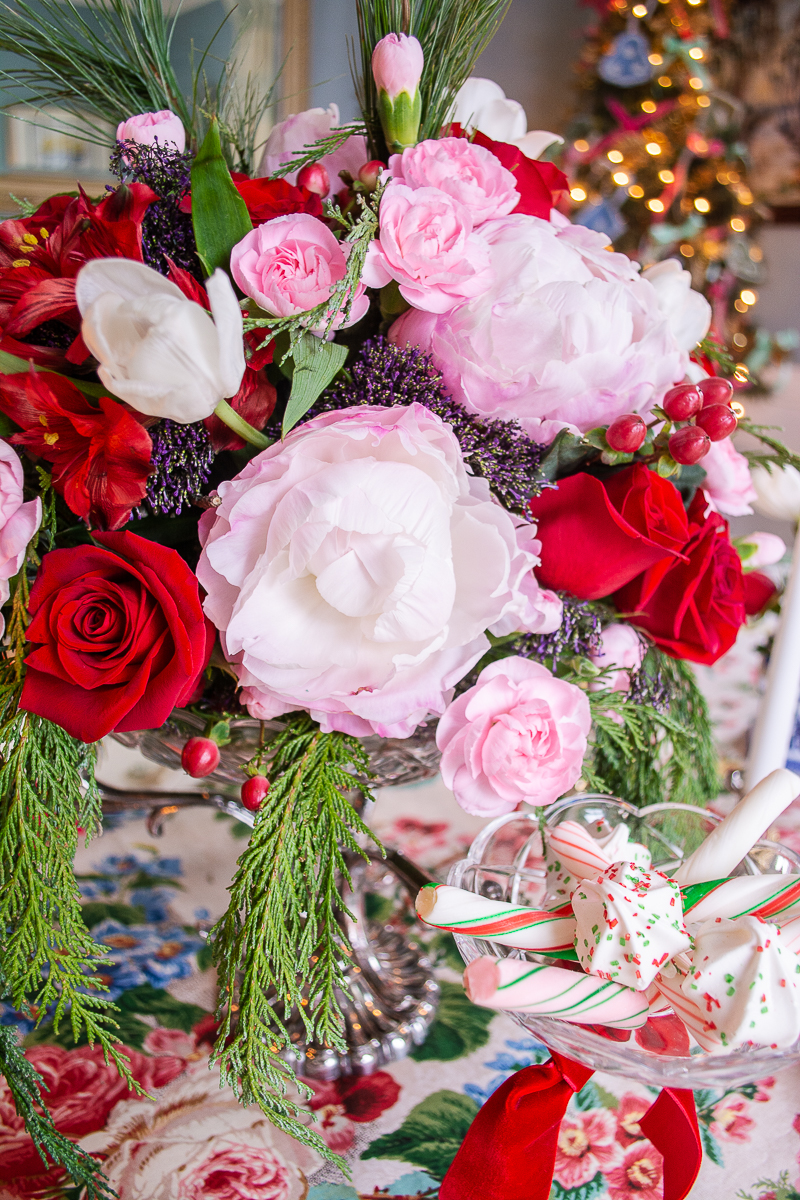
[
  {"x": 525, "y": 1052},
  {"x": 154, "y": 902},
  {"x": 144, "y": 954},
  {"x": 125, "y": 865}
]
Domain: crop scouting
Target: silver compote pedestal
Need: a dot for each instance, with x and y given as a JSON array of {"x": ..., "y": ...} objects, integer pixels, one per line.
[{"x": 393, "y": 995}]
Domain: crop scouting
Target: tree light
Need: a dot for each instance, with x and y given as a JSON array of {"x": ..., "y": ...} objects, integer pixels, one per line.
[
  {"x": 578, "y": 194},
  {"x": 704, "y": 101},
  {"x": 664, "y": 81},
  {"x": 749, "y": 296},
  {"x": 655, "y": 205},
  {"x": 696, "y": 83},
  {"x": 620, "y": 178},
  {"x": 655, "y": 60},
  {"x": 653, "y": 148},
  {"x": 636, "y": 192},
  {"x": 740, "y": 305},
  {"x": 738, "y": 225},
  {"x": 639, "y": 10},
  {"x": 649, "y": 106},
  {"x": 581, "y": 145},
  {"x": 702, "y": 205},
  {"x": 696, "y": 53},
  {"x": 666, "y": 176},
  {"x": 736, "y": 406},
  {"x": 739, "y": 339},
  {"x": 687, "y": 251},
  {"x": 615, "y": 156}
]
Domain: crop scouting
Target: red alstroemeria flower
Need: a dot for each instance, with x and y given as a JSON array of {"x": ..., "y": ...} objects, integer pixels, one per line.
[
  {"x": 100, "y": 456},
  {"x": 41, "y": 255}
]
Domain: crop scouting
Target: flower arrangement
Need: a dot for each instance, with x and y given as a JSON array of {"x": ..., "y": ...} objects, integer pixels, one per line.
[{"x": 361, "y": 437}]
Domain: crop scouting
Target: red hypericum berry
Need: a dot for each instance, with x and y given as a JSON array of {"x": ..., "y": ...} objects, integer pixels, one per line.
[
  {"x": 715, "y": 391},
  {"x": 253, "y": 792},
  {"x": 718, "y": 420},
  {"x": 200, "y": 756},
  {"x": 626, "y": 434},
  {"x": 370, "y": 173},
  {"x": 314, "y": 177},
  {"x": 682, "y": 402},
  {"x": 688, "y": 445}
]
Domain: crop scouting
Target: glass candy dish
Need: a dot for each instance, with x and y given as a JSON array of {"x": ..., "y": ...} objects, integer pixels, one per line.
[{"x": 506, "y": 862}]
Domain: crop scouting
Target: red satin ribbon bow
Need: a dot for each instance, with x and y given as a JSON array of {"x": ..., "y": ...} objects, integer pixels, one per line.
[{"x": 510, "y": 1149}]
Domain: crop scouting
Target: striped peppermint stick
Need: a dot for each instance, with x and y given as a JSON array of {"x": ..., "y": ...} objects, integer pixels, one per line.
[
  {"x": 700, "y": 1025},
  {"x": 510, "y": 983},
  {"x": 460, "y": 911},
  {"x": 771, "y": 897}
]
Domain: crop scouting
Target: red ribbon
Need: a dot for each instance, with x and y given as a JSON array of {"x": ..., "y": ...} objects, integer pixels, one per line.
[{"x": 510, "y": 1149}]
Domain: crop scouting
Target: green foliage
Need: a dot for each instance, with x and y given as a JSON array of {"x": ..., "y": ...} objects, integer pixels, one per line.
[
  {"x": 592, "y": 1190},
  {"x": 452, "y": 33},
  {"x": 780, "y": 456},
  {"x": 569, "y": 452},
  {"x": 711, "y": 1147},
  {"x": 280, "y": 941},
  {"x": 592, "y": 1095},
  {"x": 95, "y": 911},
  {"x": 459, "y": 1028},
  {"x": 780, "y": 1188},
  {"x": 316, "y": 362},
  {"x": 25, "y": 1085},
  {"x": 647, "y": 756},
  {"x": 136, "y": 1002},
  {"x": 431, "y": 1134},
  {"x": 219, "y": 214},
  {"x": 313, "y": 151}
]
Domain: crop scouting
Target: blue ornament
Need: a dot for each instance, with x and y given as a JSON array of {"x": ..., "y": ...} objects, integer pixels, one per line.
[
  {"x": 604, "y": 217},
  {"x": 627, "y": 64}
]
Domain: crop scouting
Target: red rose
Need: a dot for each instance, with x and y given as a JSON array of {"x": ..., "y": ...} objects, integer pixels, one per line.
[
  {"x": 119, "y": 636},
  {"x": 536, "y": 181},
  {"x": 596, "y": 536},
  {"x": 692, "y": 607},
  {"x": 758, "y": 591}
]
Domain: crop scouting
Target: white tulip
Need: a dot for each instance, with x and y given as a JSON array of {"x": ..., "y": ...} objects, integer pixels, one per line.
[
  {"x": 483, "y": 105},
  {"x": 688, "y": 312},
  {"x": 778, "y": 492},
  {"x": 157, "y": 350}
]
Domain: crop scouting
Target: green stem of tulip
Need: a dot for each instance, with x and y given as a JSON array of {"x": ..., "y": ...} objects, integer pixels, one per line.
[{"x": 241, "y": 427}]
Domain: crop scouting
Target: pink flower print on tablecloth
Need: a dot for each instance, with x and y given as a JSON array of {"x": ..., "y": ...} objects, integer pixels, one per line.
[
  {"x": 586, "y": 1145},
  {"x": 731, "y": 1122},
  {"x": 630, "y": 1111},
  {"x": 639, "y": 1176},
  {"x": 340, "y": 1104}
]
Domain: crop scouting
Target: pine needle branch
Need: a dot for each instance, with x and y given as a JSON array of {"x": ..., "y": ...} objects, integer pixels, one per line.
[{"x": 281, "y": 948}]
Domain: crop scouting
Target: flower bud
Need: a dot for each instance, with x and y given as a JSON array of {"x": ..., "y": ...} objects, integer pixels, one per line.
[
  {"x": 397, "y": 63},
  {"x": 314, "y": 177},
  {"x": 147, "y": 128},
  {"x": 370, "y": 173}
]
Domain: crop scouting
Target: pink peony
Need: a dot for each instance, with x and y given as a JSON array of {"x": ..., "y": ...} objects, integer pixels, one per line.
[
  {"x": 567, "y": 335},
  {"x": 301, "y": 130},
  {"x": 639, "y": 1176},
  {"x": 18, "y": 521},
  {"x": 397, "y": 63},
  {"x": 518, "y": 734},
  {"x": 426, "y": 243},
  {"x": 353, "y": 568},
  {"x": 727, "y": 483},
  {"x": 291, "y": 264},
  {"x": 586, "y": 1145},
  {"x": 468, "y": 173},
  {"x": 622, "y": 652},
  {"x": 148, "y": 128}
]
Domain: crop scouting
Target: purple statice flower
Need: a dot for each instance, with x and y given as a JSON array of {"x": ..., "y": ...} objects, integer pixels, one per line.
[
  {"x": 182, "y": 458},
  {"x": 384, "y": 375},
  {"x": 650, "y": 689},
  {"x": 166, "y": 231},
  {"x": 577, "y": 635}
]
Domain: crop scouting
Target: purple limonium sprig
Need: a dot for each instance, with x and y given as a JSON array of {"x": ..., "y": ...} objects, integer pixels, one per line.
[
  {"x": 166, "y": 231},
  {"x": 650, "y": 689},
  {"x": 182, "y": 458},
  {"x": 577, "y": 635}
]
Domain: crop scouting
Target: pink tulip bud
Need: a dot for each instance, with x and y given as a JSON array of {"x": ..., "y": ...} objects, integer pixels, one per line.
[
  {"x": 314, "y": 178},
  {"x": 144, "y": 128},
  {"x": 397, "y": 63}
]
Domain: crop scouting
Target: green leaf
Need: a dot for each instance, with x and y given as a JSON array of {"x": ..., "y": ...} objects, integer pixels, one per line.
[
  {"x": 711, "y": 1147},
  {"x": 205, "y": 955},
  {"x": 155, "y": 1002},
  {"x": 315, "y": 364},
  {"x": 95, "y": 911},
  {"x": 566, "y": 455},
  {"x": 592, "y": 1190},
  {"x": 431, "y": 1134},
  {"x": 459, "y": 1028},
  {"x": 667, "y": 466},
  {"x": 219, "y": 214}
]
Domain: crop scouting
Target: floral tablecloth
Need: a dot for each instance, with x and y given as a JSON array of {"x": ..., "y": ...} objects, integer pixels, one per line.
[{"x": 152, "y": 902}]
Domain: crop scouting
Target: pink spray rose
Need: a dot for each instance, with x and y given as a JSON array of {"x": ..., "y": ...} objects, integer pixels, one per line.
[
  {"x": 426, "y": 243},
  {"x": 727, "y": 483},
  {"x": 567, "y": 335},
  {"x": 397, "y": 63},
  {"x": 518, "y": 734},
  {"x": 291, "y": 264},
  {"x": 18, "y": 521},
  {"x": 469, "y": 173},
  {"x": 301, "y": 130},
  {"x": 622, "y": 652},
  {"x": 147, "y": 128},
  {"x": 353, "y": 568}
]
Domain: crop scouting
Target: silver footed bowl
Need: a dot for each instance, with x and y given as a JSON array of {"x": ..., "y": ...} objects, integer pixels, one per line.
[{"x": 505, "y": 862}]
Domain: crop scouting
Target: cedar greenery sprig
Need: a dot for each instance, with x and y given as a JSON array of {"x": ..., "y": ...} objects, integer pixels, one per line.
[
  {"x": 313, "y": 151},
  {"x": 280, "y": 946},
  {"x": 781, "y": 456}
]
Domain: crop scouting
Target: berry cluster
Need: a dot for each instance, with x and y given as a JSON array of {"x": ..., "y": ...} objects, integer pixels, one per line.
[{"x": 701, "y": 412}]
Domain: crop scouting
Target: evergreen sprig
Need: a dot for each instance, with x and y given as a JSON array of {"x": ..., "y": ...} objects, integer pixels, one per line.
[
  {"x": 781, "y": 456},
  {"x": 313, "y": 151},
  {"x": 280, "y": 947},
  {"x": 26, "y": 1084}
]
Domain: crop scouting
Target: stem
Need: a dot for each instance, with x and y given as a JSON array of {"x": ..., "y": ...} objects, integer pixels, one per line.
[{"x": 241, "y": 427}]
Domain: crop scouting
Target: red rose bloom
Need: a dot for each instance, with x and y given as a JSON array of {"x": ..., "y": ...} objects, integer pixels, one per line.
[
  {"x": 119, "y": 636},
  {"x": 758, "y": 591},
  {"x": 100, "y": 456},
  {"x": 536, "y": 181},
  {"x": 596, "y": 536},
  {"x": 692, "y": 607}
]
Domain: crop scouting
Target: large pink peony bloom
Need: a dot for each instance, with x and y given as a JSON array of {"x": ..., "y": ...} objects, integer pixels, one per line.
[
  {"x": 568, "y": 334},
  {"x": 518, "y": 734},
  {"x": 727, "y": 483},
  {"x": 291, "y": 264},
  {"x": 427, "y": 245},
  {"x": 470, "y": 174},
  {"x": 353, "y": 568},
  {"x": 18, "y": 521},
  {"x": 301, "y": 130}
]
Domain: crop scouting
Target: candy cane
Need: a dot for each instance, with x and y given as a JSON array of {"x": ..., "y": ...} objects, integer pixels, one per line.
[
  {"x": 700, "y": 1025},
  {"x": 790, "y": 933},
  {"x": 460, "y": 911},
  {"x": 767, "y": 896},
  {"x": 510, "y": 983},
  {"x": 734, "y": 837}
]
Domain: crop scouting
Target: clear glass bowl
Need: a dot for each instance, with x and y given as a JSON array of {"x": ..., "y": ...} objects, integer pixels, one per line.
[{"x": 506, "y": 862}]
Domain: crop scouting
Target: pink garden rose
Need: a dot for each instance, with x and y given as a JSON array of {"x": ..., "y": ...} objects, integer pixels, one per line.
[
  {"x": 291, "y": 264},
  {"x": 426, "y": 243},
  {"x": 518, "y": 734},
  {"x": 300, "y": 130},
  {"x": 622, "y": 652},
  {"x": 727, "y": 483},
  {"x": 18, "y": 521},
  {"x": 353, "y": 568},
  {"x": 567, "y": 335},
  {"x": 147, "y": 128},
  {"x": 397, "y": 63},
  {"x": 469, "y": 173}
]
